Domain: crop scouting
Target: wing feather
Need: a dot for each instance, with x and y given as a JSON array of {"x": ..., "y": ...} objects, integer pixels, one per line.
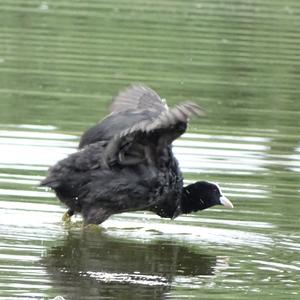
[
  {"x": 162, "y": 130},
  {"x": 136, "y": 97}
]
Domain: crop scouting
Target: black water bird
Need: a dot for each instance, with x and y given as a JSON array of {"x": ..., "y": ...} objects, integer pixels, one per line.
[{"x": 125, "y": 163}]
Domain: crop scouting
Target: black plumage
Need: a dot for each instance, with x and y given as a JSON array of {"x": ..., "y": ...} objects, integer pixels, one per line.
[{"x": 125, "y": 163}]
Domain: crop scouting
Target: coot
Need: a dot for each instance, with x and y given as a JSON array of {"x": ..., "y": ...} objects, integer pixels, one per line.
[{"x": 125, "y": 163}]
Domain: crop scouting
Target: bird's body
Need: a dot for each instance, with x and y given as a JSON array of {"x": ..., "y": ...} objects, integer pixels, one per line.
[
  {"x": 125, "y": 162},
  {"x": 84, "y": 183}
]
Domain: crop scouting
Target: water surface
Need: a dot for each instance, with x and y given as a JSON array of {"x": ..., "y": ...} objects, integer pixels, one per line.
[{"x": 60, "y": 64}]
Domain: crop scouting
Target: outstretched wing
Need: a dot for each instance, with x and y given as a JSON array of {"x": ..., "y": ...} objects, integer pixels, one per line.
[
  {"x": 131, "y": 106},
  {"x": 146, "y": 139},
  {"x": 137, "y": 97}
]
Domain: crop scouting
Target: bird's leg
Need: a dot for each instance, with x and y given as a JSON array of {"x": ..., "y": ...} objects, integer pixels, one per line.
[{"x": 67, "y": 215}]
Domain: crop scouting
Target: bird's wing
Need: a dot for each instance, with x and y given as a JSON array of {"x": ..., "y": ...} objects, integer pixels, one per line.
[
  {"x": 136, "y": 97},
  {"x": 131, "y": 145},
  {"x": 127, "y": 109}
]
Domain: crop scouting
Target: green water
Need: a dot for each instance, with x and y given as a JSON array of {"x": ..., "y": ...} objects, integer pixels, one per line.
[{"x": 60, "y": 64}]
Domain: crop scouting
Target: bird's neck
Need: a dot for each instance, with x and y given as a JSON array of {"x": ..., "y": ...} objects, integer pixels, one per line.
[{"x": 188, "y": 203}]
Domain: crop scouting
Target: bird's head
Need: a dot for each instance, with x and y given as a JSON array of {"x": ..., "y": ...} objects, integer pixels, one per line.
[{"x": 201, "y": 195}]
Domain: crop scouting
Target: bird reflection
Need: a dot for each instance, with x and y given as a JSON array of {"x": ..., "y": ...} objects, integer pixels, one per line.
[{"x": 90, "y": 263}]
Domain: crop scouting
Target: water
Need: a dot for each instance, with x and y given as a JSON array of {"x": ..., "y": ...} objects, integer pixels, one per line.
[{"x": 60, "y": 63}]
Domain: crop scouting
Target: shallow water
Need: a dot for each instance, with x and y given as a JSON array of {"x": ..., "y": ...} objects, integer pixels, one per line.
[{"x": 62, "y": 61}]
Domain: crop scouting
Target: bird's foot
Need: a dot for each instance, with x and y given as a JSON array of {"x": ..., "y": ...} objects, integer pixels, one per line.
[{"x": 67, "y": 216}]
